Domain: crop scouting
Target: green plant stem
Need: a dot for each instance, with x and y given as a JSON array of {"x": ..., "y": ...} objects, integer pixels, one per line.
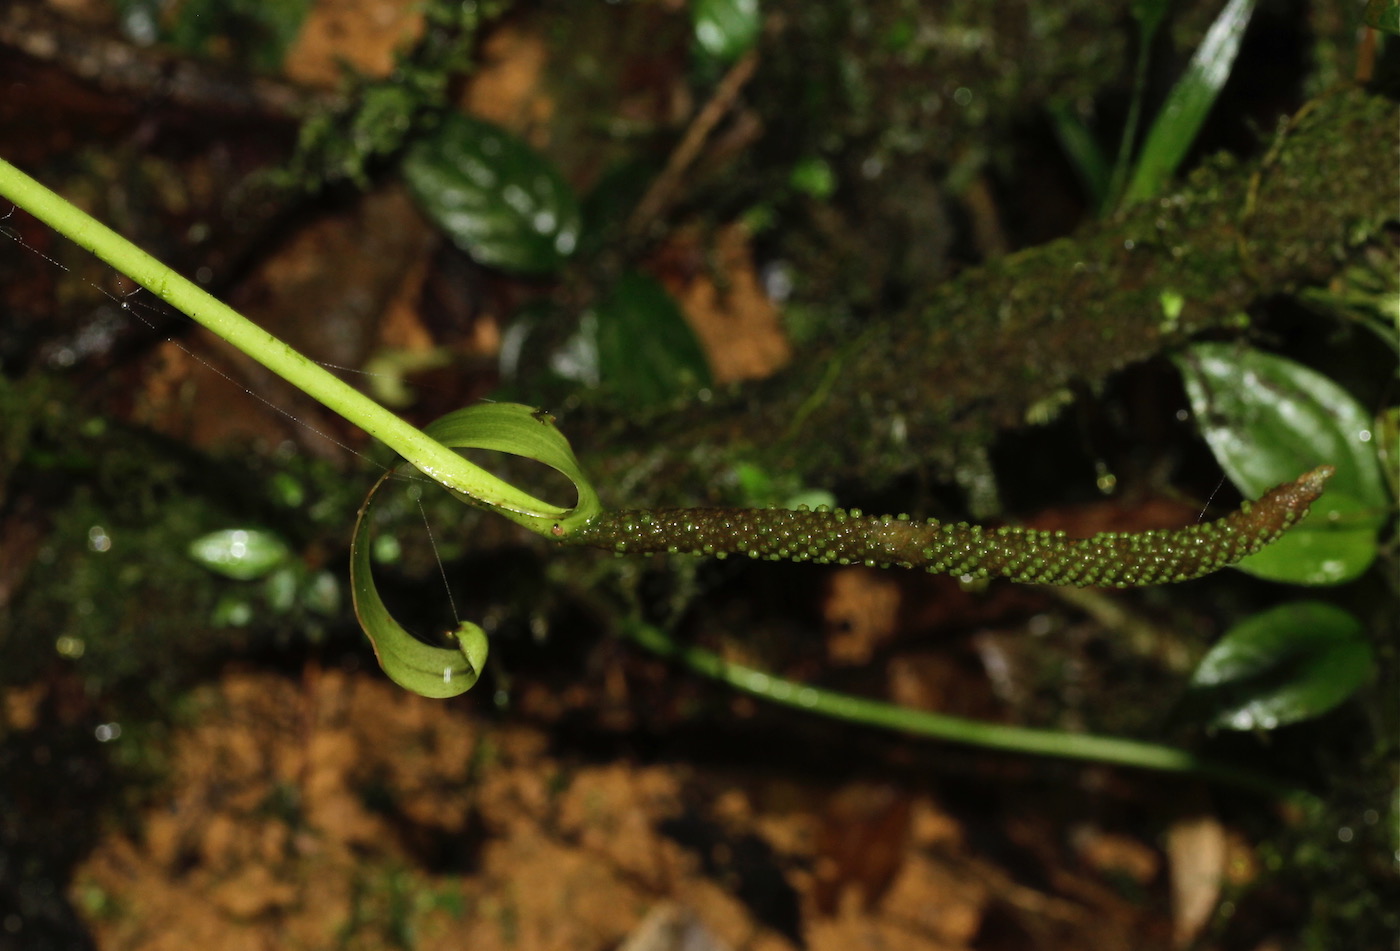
[
  {"x": 1056, "y": 743},
  {"x": 1123, "y": 163},
  {"x": 439, "y": 463}
]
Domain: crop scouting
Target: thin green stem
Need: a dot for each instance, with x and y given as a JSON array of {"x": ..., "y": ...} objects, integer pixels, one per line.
[
  {"x": 435, "y": 460},
  {"x": 1123, "y": 164},
  {"x": 1014, "y": 739}
]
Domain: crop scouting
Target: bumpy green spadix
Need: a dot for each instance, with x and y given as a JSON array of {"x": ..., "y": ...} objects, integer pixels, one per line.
[{"x": 1111, "y": 559}]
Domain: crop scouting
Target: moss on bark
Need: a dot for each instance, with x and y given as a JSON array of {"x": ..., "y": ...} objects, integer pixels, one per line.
[{"x": 1001, "y": 345}]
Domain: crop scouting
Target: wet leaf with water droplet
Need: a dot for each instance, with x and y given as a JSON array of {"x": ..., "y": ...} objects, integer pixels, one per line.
[
  {"x": 243, "y": 554},
  {"x": 497, "y": 198},
  {"x": 1291, "y": 663},
  {"x": 725, "y": 29},
  {"x": 1266, "y": 417}
]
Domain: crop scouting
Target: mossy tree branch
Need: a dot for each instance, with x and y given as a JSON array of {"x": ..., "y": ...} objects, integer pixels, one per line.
[{"x": 933, "y": 384}]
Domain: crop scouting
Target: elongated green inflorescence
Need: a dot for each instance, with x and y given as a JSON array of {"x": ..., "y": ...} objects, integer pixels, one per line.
[{"x": 1109, "y": 559}]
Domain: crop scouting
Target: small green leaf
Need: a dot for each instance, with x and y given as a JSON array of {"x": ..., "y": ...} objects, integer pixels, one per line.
[
  {"x": 287, "y": 490},
  {"x": 1189, "y": 102},
  {"x": 232, "y": 610},
  {"x": 240, "y": 553},
  {"x": 1287, "y": 664},
  {"x": 760, "y": 489},
  {"x": 1384, "y": 15},
  {"x": 647, "y": 353},
  {"x": 726, "y": 29},
  {"x": 253, "y": 33},
  {"x": 609, "y": 204},
  {"x": 321, "y": 594},
  {"x": 813, "y": 176},
  {"x": 1266, "y": 419},
  {"x": 497, "y": 198}
]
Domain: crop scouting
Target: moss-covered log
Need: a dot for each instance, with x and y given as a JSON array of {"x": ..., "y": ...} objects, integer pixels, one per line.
[{"x": 986, "y": 351}]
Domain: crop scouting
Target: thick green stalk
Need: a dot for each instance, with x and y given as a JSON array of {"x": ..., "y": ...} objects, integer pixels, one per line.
[{"x": 435, "y": 460}]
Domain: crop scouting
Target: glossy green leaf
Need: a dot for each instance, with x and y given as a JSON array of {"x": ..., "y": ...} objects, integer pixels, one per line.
[
  {"x": 726, "y": 29},
  {"x": 446, "y": 671},
  {"x": 497, "y": 198},
  {"x": 1189, "y": 102},
  {"x": 1287, "y": 664},
  {"x": 1384, "y": 15},
  {"x": 1266, "y": 419},
  {"x": 1336, "y": 543},
  {"x": 240, "y": 553},
  {"x": 647, "y": 353}
]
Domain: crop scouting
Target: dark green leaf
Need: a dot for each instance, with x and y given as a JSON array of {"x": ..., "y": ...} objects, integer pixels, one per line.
[
  {"x": 647, "y": 353},
  {"x": 1267, "y": 419},
  {"x": 610, "y": 202},
  {"x": 725, "y": 29},
  {"x": 497, "y": 198},
  {"x": 1291, "y": 663},
  {"x": 240, "y": 553},
  {"x": 1384, "y": 15},
  {"x": 254, "y": 33},
  {"x": 1189, "y": 102}
]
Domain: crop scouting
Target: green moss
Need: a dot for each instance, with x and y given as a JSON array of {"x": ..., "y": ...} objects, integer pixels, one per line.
[
  {"x": 931, "y": 385},
  {"x": 108, "y": 587}
]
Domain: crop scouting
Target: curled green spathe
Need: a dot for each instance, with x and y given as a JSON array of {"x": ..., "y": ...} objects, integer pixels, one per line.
[
  {"x": 823, "y": 536},
  {"x": 451, "y": 668}
]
